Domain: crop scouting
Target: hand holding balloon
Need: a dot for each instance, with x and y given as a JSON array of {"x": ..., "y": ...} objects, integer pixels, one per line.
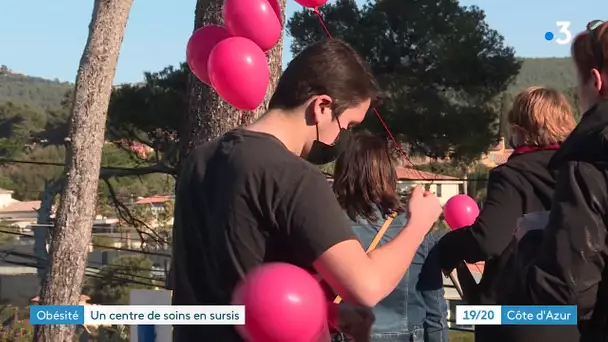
[
  {"x": 460, "y": 211},
  {"x": 424, "y": 209}
]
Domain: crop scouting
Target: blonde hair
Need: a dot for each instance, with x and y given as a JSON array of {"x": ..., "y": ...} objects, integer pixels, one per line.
[{"x": 541, "y": 116}]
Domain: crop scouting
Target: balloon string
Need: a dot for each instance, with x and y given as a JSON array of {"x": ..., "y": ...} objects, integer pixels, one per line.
[
  {"x": 316, "y": 10},
  {"x": 388, "y": 131}
]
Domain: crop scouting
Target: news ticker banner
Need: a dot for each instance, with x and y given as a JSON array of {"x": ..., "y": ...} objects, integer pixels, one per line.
[
  {"x": 516, "y": 315},
  {"x": 235, "y": 315},
  {"x": 138, "y": 315}
]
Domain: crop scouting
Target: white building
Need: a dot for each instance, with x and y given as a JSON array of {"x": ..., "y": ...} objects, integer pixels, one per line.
[
  {"x": 445, "y": 187},
  {"x": 17, "y": 213}
]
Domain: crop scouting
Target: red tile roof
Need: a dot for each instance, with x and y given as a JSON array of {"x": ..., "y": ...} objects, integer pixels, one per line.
[
  {"x": 153, "y": 199},
  {"x": 18, "y": 207},
  {"x": 406, "y": 173}
]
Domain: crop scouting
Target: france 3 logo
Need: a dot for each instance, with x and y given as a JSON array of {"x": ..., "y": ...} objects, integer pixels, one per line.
[{"x": 565, "y": 36}]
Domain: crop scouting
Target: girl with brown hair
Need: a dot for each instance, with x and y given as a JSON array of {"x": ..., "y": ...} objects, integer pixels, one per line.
[{"x": 366, "y": 187}]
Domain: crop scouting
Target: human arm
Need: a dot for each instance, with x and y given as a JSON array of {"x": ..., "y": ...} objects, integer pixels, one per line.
[
  {"x": 492, "y": 230},
  {"x": 569, "y": 263},
  {"x": 367, "y": 279},
  {"x": 430, "y": 285},
  {"x": 316, "y": 220}
]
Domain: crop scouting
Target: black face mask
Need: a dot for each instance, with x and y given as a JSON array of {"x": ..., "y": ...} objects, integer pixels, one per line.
[{"x": 321, "y": 153}]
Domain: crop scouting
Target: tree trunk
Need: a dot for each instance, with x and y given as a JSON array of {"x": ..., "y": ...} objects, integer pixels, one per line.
[
  {"x": 208, "y": 115},
  {"x": 72, "y": 232},
  {"x": 41, "y": 231}
]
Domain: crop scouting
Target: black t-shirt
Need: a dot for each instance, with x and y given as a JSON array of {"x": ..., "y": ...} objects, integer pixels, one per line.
[{"x": 242, "y": 200}]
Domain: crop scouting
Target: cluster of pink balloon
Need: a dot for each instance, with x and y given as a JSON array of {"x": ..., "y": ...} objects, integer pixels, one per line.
[
  {"x": 460, "y": 211},
  {"x": 282, "y": 303},
  {"x": 232, "y": 58}
]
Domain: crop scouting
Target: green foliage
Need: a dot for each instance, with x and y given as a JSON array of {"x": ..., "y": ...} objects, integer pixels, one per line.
[
  {"x": 446, "y": 169},
  {"x": 558, "y": 73},
  {"x": 478, "y": 183},
  {"x": 20, "y": 331},
  {"x": 442, "y": 75},
  {"x": 327, "y": 168},
  {"x": 116, "y": 333},
  {"x": 27, "y": 180},
  {"x": 115, "y": 281},
  {"x": 38, "y": 92},
  {"x": 150, "y": 112},
  {"x": 17, "y": 122},
  {"x": 100, "y": 242},
  {"x": 6, "y": 238}
]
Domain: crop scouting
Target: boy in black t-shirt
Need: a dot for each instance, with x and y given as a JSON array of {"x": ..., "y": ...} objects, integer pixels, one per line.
[{"x": 254, "y": 195}]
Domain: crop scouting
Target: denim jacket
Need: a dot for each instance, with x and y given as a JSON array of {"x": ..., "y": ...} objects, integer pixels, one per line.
[{"x": 416, "y": 311}]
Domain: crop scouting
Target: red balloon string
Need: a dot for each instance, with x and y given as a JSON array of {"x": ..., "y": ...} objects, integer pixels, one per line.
[
  {"x": 388, "y": 131},
  {"x": 316, "y": 10}
]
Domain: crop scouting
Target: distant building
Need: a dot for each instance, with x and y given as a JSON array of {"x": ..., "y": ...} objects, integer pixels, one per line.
[
  {"x": 17, "y": 213},
  {"x": 443, "y": 186},
  {"x": 156, "y": 204},
  {"x": 497, "y": 154}
]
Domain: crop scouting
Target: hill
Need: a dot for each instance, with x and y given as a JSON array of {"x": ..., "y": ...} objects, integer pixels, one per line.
[
  {"x": 558, "y": 73},
  {"x": 35, "y": 91},
  {"x": 553, "y": 72}
]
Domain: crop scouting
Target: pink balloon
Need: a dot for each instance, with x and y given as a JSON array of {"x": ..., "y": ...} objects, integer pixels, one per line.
[
  {"x": 199, "y": 48},
  {"x": 460, "y": 211},
  {"x": 239, "y": 72},
  {"x": 311, "y": 3},
  {"x": 276, "y": 7},
  {"x": 253, "y": 19},
  {"x": 282, "y": 303}
]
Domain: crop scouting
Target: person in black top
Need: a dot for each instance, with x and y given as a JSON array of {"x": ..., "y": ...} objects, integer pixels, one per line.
[
  {"x": 540, "y": 119},
  {"x": 254, "y": 196},
  {"x": 570, "y": 265}
]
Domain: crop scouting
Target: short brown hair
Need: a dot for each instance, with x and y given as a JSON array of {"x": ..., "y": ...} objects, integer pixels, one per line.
[
  {"x": 542, "y": 116},
  {"x": 365, "y": 179},
  {"x": 329, "y": 67},
  {"x": 590, "y": 51}
]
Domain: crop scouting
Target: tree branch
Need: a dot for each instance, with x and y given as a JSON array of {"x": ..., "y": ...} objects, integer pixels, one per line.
[
  {"x": 123, "y": 211},
  {"x": 138, "y": 171},
  {"x": 125, "y": 214}
]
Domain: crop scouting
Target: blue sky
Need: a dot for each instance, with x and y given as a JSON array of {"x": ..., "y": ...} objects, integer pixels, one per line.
[{"x": 46, "y": 38}]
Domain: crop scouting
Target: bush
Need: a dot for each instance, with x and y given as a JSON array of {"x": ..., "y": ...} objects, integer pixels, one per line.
[
  {"x": 101, "y": 242},
  {"x": 20, "y": 331}
]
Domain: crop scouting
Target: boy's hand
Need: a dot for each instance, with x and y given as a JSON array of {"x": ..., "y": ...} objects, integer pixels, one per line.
[{"x": 424, "y": 209}]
